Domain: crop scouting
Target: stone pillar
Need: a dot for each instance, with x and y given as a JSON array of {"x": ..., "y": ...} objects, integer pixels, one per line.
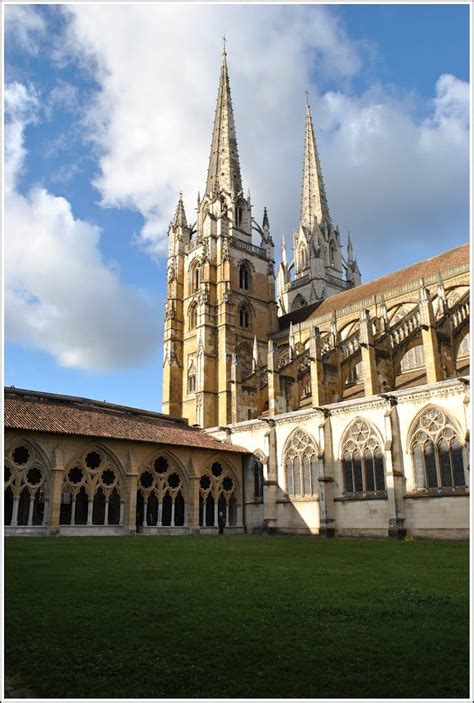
[
  {"x": 55, "y": 490},
  {"x": 106, "y": 516},
  {"x": 429, "y": 337},
  {"x": 270, "y": 485},
  {"x": 159, "y": 519},
  {"x": 90, "y": 506},
  {"x": 239, "y": 522},
  {"x": 235, "y": 390},
  {"x": 316, "y": 368},
  {"x": 193, "y": 504},
  {"x": 73, "y": 510},
  {"x": 30, "y": 511},
  {"x": 369, "y": 365},
  {"x": 394, "y": 478},
  {"x": 45, "y": 512},
  {"x": 274, "y": 393},
  {"x": 172, "y": 512},
  {"x": 122, "y": 512},
  {"x": 130, "y": 503},
  {"x": 14, "y": 520},
  {"x": 216, "y": 511},
  {"x": 327, "y": 526}
]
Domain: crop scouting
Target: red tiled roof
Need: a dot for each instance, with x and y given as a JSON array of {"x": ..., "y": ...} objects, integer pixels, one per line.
[
  {"x": 38, "y": 412},
  {"x": 423, "y": 269}
]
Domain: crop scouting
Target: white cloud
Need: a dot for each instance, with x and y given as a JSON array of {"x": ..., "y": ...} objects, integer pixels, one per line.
[
  {"x": 60, "y": 295},
  {"x": 390, "y": 175},
  {"x": 24, "y": 26}
]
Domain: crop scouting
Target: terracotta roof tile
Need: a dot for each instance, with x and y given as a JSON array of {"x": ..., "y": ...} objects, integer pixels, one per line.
[{"x": 30, "y": 410}]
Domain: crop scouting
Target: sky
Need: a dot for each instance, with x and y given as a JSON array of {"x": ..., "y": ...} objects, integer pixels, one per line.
[{"x": 108, "y": 116}]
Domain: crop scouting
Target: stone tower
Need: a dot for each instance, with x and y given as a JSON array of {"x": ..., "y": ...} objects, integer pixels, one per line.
[
  {"x": 220, "y": 304},
  {"x": 316, "y": 270}
]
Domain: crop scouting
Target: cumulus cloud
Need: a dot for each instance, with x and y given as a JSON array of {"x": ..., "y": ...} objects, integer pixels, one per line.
[
  {"x": 390, "y": 174},
  {"x": 24, "y": 26},
  {"x": 60, "y": 296}
]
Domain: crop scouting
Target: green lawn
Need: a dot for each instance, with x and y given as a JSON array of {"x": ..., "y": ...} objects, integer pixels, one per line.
[{"x": 237, "y": 616}]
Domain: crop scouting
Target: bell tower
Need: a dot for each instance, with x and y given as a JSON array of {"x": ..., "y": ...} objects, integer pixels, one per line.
[{"x": 220, "y": 305}]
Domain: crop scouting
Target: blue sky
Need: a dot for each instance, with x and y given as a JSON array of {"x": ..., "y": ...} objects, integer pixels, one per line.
[{"x": 103, "y": 131}]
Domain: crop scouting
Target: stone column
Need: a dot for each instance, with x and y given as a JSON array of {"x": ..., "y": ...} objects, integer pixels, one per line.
[
  {"x": 90, "y": 506},
  {"x": 270, "y": 485},
  {"x": 130, "y": 503},
  {"x": 172, "y": 512},
  {"x": 45, "y": 512},
  {"x": 394, "y": 477},
  {"x": 106, "y": 516},
  {"x": 193, "y": 504},
  {"x": 326, "y": 477},
  {"x": 369, "y": 365},
  {"x": 316, "y": 368},
  {"x": 159, "y": 519},
  {"x": 274, "y": 393},
  {"x": 122, "y": 512},
  {"x": 55, "y": 490},
  {"x": 235, "y": 389},
  {"x": 73, "y": 510},
  {"x": 30, "y": 511},
  {"x": 14, "y": 520},
  {"x": 429, "y": 337},
  {"x": 216, "y": 510}
]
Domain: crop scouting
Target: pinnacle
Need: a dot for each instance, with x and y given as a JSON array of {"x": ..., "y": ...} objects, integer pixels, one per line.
[{"x": 179, "y": 219}]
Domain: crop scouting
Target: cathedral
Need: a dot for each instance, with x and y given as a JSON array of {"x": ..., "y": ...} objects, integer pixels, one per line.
[{"x": 296, "y": 399}]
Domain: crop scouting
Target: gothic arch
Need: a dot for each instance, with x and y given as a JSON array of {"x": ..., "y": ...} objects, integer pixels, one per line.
[
  {"x": 162, "y": 491},
  {"x": 300, "y": 462},
  {"x": 194, "y": 275},
  {"x": 93, "y": 488},
  {"x": 27, "y": 472},
  {"x": 362, "y": 458},
  {"x": 438, "y": 452},
  {"x": 298, "y": 302},
  {"x": 219, "y": 491}
]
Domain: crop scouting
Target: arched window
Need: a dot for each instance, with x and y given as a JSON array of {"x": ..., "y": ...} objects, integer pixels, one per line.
[
  {"x": 299, "y": 302},
  {"x": 217, "y": 493},
  {"x": 161, "y": 495},
  {"x": 25, "y": 486},
  {"x": 244, "y": 276},
  {"x": 413, "y": 359},
  {"x": 301, "y": 465},
  {"x": 302, "y": 256},
  {"x": 195, "y": 276},
  {"x": 92, "y": 492},
  {"x": 332, "y": 253},
  {"x": 362, "y": 460},
  {"x": 437, "y": 453},
  {"x": 192, "y": 316},
  {"x": 244, "y": 316},
  {"x": 257, "y": 479}
]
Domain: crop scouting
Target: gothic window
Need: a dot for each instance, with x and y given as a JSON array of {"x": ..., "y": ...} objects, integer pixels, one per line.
[
  {"x": 362, "y": 460},
  {"x": 161, "y": 495},
  {"x": 332, "y": 254},
  {"x": 244, "y": 316},
  {"x": 238, "y": 216},
  {"x": 191, "y": 382},
  {"x": 413, "y": 359},
  {"x": 244, "y": 276},
  {"x": 258, "y": 479},
  {"x": 302, "y": 257},
  {"x": 25, "y": 486},
  {"x": 437, "y": 453},
  {"x": 301, "y": 465},
  {"x": 299, "y": 302},
  {"x": 92, "y": 492},
  {"x": 192, "y": 316},
  {"x": 195, "y": 276},
  {"x": 217, "y": 493}
]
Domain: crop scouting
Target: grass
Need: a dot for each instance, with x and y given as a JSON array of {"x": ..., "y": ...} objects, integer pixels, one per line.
[{"x": 237, "y": 616}]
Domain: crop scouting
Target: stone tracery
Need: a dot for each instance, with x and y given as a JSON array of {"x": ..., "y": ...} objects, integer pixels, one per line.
[
  {"x": 217, "y": 492},
  {"x": 26, "y": 486},
  {"x": 362, "y": 460},
  {"x": 92, "y": 491},
  {"x": 161, "y": 494},
  {"x": 438, "y": 454},
  {"x": 301, "y": 464}
]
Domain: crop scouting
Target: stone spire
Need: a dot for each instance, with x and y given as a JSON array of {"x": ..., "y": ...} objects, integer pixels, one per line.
[
  {"x": 179, "y": 219},
  {"x": 313, "y": 195},
  {"x": 224, "y": 166}
]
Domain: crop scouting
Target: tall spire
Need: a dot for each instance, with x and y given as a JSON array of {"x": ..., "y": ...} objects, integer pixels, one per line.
[
  {"x": 313, "y": 195},
  {"x": 224, "y": 166},
  {"x": 179, "y": 219}
]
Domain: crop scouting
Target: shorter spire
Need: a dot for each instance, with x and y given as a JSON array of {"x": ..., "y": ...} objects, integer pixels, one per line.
[
  {"x": 179, "y": 219},
  {"x": 255, "y": 354},
  {"x": 283, "y": 250},
  {"x": 350, "y": 251},
  {"x": 265, "y": 222}
]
